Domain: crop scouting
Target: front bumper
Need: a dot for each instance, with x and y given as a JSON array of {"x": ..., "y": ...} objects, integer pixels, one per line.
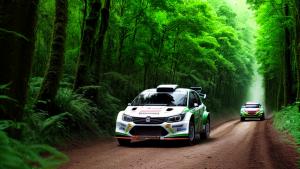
[
  {"x": 258, "y": 114},
  {"x": 163, "y": 131}
]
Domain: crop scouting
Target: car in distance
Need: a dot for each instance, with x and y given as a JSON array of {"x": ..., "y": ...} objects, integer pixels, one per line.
[
  {"x": 164, "y": 113},
  {"x": 252, "y": 110}
]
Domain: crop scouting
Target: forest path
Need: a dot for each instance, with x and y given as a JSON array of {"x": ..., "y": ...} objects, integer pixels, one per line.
[{"x": 232, "y": 145}]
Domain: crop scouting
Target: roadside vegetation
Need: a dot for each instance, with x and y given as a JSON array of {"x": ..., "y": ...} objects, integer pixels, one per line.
[
  {"x": 278, "y": 53},
  {"x": 287, "y": 120}
]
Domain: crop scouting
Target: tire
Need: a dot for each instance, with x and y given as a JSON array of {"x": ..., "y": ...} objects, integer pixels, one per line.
[
  {"x": 205, "y": 134},
  {"x": 262, "y": 118},
  {"x": 192, "y": 137},
  {"x": 242, "y": 118},
  {"x": 123, "y": 142}
]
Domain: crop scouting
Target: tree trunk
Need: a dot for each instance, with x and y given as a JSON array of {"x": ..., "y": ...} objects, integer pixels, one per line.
[
  {"x": 17, "y": 38},
  {"x": 122, "y": 37},
  {"x": 297, "y": 43},
  {"x": 100, "y": 41},
  {"x": 54, "y": 72},
  {"x": 287, "y": 72},
  {"x": 84, "y": 60}
]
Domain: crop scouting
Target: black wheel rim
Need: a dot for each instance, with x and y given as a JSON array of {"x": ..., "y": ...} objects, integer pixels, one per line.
[
  {"x": 207, "y": 129},
  {"x": 191, "y": 132}
]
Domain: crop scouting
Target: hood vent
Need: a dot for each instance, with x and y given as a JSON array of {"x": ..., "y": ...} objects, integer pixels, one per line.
[{"x": 169, "y": 109}]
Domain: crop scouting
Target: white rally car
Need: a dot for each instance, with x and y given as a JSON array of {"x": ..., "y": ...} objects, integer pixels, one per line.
[{"x": 164, "y": 113}]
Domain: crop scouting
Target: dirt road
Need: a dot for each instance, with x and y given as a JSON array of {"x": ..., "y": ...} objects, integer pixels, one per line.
[{"x": 232, "y": 145}]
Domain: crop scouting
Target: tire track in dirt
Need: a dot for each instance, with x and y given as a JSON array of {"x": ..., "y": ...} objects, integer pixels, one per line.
[{"x": 234, "y": 144}]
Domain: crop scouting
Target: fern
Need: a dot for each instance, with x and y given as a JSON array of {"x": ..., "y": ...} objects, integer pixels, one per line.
[
  {"x": 15, "y": 155},
  {"x": 81, "y": 111}
]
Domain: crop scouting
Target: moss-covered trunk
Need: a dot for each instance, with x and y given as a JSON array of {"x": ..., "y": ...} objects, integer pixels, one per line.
[
  {"x": 17, "y": 37},
  {"x": 83, "y": 77},
  {"x": 54, "y": 72},
  {"x": 100, "y": 41}
]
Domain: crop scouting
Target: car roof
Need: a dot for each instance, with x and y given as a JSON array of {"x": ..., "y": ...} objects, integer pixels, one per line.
[
  {"x": 252, "y": 103},
  {"x": 154, "y": 90}
]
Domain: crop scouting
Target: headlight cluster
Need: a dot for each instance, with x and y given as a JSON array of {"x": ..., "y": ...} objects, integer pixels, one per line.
[
  {"x": 127, "y": 118},
  {"x": 176, "y": 118}
]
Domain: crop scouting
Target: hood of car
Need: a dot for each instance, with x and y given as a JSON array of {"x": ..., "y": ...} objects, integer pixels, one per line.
[{"x": 153, "y": 111}]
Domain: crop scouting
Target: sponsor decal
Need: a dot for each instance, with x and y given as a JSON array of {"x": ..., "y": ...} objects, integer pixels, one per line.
[
  {"x": 181, "y": 129},
  {"x": 153, "y": 113}
]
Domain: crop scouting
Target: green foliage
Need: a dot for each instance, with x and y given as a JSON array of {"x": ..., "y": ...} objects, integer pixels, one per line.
[
  {"x": 279, "y": 62},
  {"x": 75, "y": 115},
  {"x": 164, "y": 43},
  {"x": 287, "y": 120},
  {"x": 81, "y": 111},
  {"x": 16, "y": 155}
]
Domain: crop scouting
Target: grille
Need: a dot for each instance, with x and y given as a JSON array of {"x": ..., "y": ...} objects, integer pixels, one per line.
[
  {"x": 153, "y": 120},
  {"x": 252, "y": 112},
  {"x": 148, "y": 131}
]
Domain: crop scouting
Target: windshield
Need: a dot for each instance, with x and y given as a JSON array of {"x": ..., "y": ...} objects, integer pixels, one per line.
[
  {"x": 161, "y": 99},
  {"x": 252, "y": 106}
]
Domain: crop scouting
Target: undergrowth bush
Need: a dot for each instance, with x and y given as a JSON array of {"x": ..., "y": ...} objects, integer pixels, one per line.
[
  {"x": 75, "y": 115},
  {"x": 81, "y": 112},
  {"x": 287, "y": 120},
  {"x": 21, "y": 155},
  {"x": 17, "y": 155}
]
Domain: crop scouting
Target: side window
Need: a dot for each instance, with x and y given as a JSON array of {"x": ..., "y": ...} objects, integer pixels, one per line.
[
  {"x": 199, "y": 101},
  {"x": 191, "y": 100},
  {"x": 194, "y": 98}
]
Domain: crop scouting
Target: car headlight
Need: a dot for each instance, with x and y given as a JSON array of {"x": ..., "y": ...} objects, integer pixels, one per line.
[
  {"x": 176, "y": 118},
  {"x": 127, "y": 118}
]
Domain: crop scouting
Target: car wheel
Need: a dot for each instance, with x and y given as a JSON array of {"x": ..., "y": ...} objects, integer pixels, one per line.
[
  {"x": 242, "y": 118},
  {"x": 191, "y": 140},
  {"x": 124, "y": 142},
  {"x": 262, "y": 118},
  {"x": 205, "y": 134}
]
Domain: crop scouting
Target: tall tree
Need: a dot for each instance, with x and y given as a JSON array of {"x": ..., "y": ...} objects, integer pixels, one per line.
[
  {"x": 286, "y": 59},
  {"x": 54, "y": 72},
  {"x": 99, "y": 43},
  {"x": 84, "y": 60},
  {"x": 296, "y": 10},
  {"x": 17, "y": 37}
]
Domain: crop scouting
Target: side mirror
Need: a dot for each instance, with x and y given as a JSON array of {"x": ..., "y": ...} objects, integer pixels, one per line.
[
  {"x": 203, "y": 96},
  {"x": 196, "y": 104},
  {"x": 129, "y": 104}
]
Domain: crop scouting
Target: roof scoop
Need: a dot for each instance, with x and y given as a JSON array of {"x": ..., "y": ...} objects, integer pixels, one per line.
[{"x": 166, "y": 88}]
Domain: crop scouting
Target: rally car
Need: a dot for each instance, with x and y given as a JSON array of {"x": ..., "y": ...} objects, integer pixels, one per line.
[
  {"x": 164, "y": 113},
  {"x": 252, "y": 110}
]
